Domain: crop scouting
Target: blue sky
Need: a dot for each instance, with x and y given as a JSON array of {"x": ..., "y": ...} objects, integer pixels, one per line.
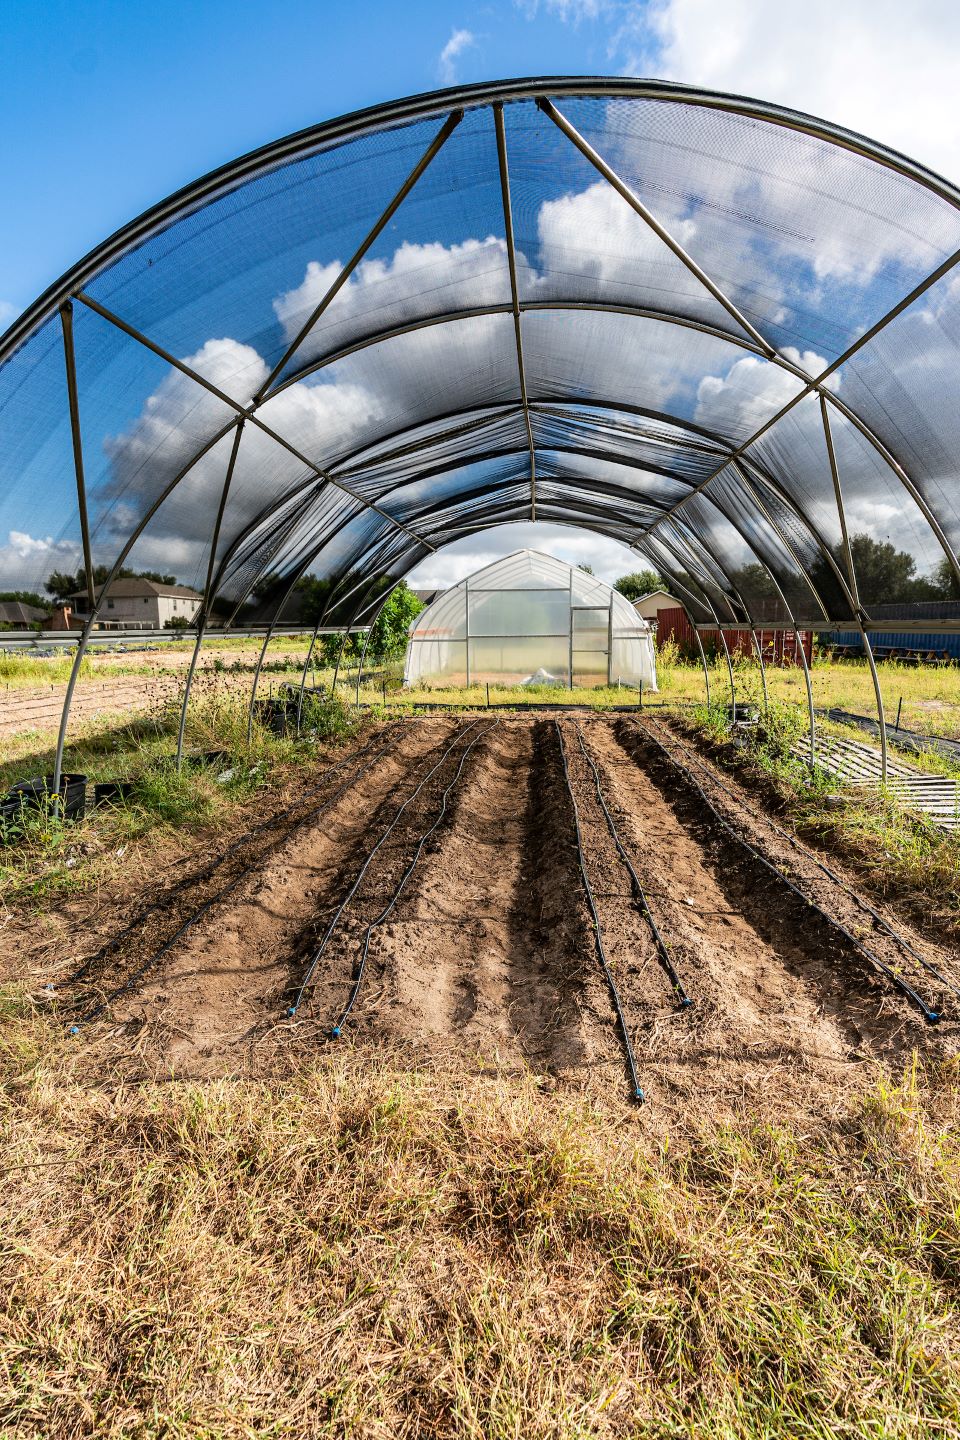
[
  {"x": 115, "y": 105},
  {"x": 107, "y": 107}
]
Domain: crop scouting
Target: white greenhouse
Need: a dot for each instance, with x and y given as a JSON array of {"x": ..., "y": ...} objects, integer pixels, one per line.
[{"x": 530, "y": 619}]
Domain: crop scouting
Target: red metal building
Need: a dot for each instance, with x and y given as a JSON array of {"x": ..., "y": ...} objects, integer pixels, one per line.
[{"x": 780, "y": 647}]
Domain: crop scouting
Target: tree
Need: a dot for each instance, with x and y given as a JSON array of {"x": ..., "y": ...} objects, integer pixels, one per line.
[
  {"x": 388, "y": 639},
  {"x": 885, "y": 575},
  {"x": 313, "y": 594},
  {"x": 641, "y": 582},
  {"x": 26, "y": 597},
  {"x": 587, "y": 569},
  {"x": 945, "y": 581},
  {"x": 61, "y": 584},
  {"x": 754, "y": 583}
]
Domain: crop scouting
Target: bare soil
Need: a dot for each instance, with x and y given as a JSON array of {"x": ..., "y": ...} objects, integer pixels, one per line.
[{"x": 489, "y": 955}]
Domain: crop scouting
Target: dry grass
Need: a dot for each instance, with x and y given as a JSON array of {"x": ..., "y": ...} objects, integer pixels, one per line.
[{"x": 360, "y": 1249}]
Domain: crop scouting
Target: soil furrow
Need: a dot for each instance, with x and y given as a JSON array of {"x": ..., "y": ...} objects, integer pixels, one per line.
[
  {"x": 487, "y": 950},
  {"x": 765, "y": 970},
  {"x": 229, "y": 978}
]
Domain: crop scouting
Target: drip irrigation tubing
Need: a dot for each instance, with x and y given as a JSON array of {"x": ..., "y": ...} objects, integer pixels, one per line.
[
  {"x": 638, "y": 1094},
  {"x": 318, "y": 953},
  {"x": 931, "y": 1016},
  {"x": 208, "y": 904},
  {"x": 193, "y": 880},
  {"x": 639, "y": 894},
  {"x": 563, "y": 707},
  {"x": 848, "y": 889},
  {"x": 337, "y": 1029}
]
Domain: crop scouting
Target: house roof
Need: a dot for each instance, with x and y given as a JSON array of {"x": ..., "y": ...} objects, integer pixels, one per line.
[
  {"x": 652, "y": 594},
  {"x": 15, "y": 612},
  {"x": 135, "y": 587}
]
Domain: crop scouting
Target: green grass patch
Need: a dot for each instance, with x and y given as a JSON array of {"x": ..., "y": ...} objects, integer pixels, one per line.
[{"x": 43, "y": 856}]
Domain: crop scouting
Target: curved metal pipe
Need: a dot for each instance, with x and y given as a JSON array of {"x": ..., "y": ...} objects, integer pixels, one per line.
[
  {"x": 763, "y": 672},
  {"x": 881, "y": 714},
  {"x": 798, "y": 643},
  {"x": 208, "y": 591},
  {"x": 425, "y": 106}
]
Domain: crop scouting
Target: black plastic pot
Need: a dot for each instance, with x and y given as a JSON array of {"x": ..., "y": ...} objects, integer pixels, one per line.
[
  {"x": 743, "y": 714},
  {"x": 113, "y": 792},
  {"x": 37, "y": 793},
  {"x": 208, "y": 757},
  {"x": 279, "y": 712}
]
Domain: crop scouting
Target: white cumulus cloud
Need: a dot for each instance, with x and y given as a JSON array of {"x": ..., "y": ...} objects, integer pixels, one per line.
[
  {"x": 888, "y": 70},
  {"x": 26, "y": 560},
  {"x": 459, "y": 41},
  {"x": 417, "y": 280}
]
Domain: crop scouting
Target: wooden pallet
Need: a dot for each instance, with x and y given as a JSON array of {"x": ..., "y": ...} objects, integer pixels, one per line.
[{"x": 854, "y": 763}]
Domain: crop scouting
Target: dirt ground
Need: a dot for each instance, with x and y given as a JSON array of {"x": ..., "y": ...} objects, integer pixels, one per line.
[{"x": 489, "y": 956}]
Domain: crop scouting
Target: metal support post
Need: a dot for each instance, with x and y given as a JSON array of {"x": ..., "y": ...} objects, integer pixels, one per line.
[
  {"x": 466, "y": 626},
  {"x": 610, "y": 641},
  {"x": 881, "y": 717},
  {"x": 208, "y": 591},
  {"x": 763, "y": 672},
  {"x": 336, "y": 668},
  {"x": 366, "y": 638},
  {"x": 703, "y": 656},
  {"x": 798, "y": 642},
  {"x": 256, "y": 680},
  {"x": 306, "y": 667},
  {"x": 570, "y": 628},
  {"x": 733, "y": 688},
  {"x": 70, "y": 359},
  {"x": 515, "y": 296}
]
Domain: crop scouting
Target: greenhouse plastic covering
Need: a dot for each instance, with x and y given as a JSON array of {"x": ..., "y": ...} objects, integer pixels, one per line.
[
  {"x": 529, "y": 619},
  {"x": 720, "y": 332}
]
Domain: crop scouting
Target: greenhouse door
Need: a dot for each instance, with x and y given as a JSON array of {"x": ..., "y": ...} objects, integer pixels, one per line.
[{"x": 589, "y": 645}]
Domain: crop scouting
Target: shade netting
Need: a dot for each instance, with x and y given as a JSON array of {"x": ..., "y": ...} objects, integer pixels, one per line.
[{"x": 724, "y": 334}]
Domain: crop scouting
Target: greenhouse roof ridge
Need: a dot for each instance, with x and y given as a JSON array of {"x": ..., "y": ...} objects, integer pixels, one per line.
[
  {"x": 552, "y": 561},
  {"x": 718, "y": 331}
]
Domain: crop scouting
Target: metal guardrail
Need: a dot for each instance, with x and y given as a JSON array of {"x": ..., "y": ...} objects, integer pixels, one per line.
[{"x": 67, "y": 639}]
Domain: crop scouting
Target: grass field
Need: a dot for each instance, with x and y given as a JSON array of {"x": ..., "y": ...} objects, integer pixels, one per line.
[
  {"x": 371, "y": 1250},
  {"x": 144, "y": 746},
  {"x": 930, "y": 696}
]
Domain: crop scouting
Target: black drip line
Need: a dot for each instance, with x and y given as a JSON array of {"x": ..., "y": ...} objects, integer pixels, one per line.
[
  {"x": 804, "y": 850},
  {"x": 318, "y": 953},
  {"x": 392, "y": 734},
  {"x": 931, "y": 1016},
  {"x": 337, "y": 1029},
  {"x": 638, "y": 1094},
  {"x": 208, "y": 904},
  {"x": 639, "y": 894}
]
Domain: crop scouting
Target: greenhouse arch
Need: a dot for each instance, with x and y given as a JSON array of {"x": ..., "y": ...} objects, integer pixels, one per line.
[{"x": 720, "y": 332}]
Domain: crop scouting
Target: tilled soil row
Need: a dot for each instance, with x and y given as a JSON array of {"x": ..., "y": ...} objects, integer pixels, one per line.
[
  {"x": 490, "y": 954},
  {"x": 862, "y": 1006},
  {"x": 799, "y": 862},
  {"x": 230, "y": 981},
  {"x": 741, "y": 808},
  {"x": 186, "y": 894},
  {"x": 489, "y": 949}
]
